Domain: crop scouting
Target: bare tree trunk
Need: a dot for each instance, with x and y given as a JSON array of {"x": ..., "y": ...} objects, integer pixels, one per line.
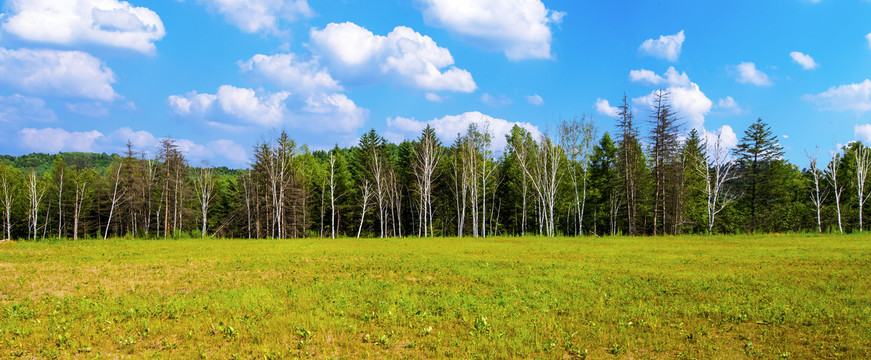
[
  {"x": 832, "y": 176},
  {"x": 114, "y": 201},
  {"x": 863, "y": 163},
  {"x": 332, "y": 196},
  {"x": 365, "y": 187}
]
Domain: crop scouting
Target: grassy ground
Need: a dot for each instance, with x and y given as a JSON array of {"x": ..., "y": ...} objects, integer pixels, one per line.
[{"x": 687, "y": 297}]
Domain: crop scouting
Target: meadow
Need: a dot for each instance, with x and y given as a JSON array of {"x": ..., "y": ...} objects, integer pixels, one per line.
[{"x": 732, "y": 297}]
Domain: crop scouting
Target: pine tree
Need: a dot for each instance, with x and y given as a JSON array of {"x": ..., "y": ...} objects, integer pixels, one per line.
[{"x": 758, "y": 155}]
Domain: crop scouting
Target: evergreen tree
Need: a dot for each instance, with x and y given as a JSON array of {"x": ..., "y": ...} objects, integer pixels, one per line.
[{"x": 761, "y": 173}]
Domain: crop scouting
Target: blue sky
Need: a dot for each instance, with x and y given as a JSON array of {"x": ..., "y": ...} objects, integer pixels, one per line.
[{"x": 222, "y": 75}]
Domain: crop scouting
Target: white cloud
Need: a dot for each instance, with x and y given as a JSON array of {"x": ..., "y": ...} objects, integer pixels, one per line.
[
  {"x": 317, "y": 111},
  {"x": 868, "y": 37},
  {"x": 805, "y": 60},
  {"x": 519, "y": 28},
  {"x": 191, "y": 103},
  {"x": 535, "y": 99},
  {"x": 494, "y": 101},
  {"x": 748, "y": 73},
  {"x": 728, "y": 105},
  {"x": 688, "y": 102},
  {"x": 252, "y": 16},
  {"x": 228, "y": 150},
  {"x": 728, "y": 137},
  {"x": 666, "y": 47},
  {"x": 53, "y": 140},
  {"x": 71, "y": 22},
  {"x": 50, "y": 72},
  {"x": 605, "y": 108},
  {"x": 24, "y": 109},
  {"x": 646, "y": 77},
  {"x": 289, "y": 72},
  {"x": 433, "y": 97},
  {"x": 862, "y": 132},
  {"x": 91, "y": 109},
  {"x": 405, "y": 56},
  {"x": 849, "y": 97},
  {"x": 672, "y": 77},
  {"x": 142, "y": 140},
  {"x": 685, "y": 97},
  {"x": 247, "y": 105},
  {"x": 448, "y": 127}
]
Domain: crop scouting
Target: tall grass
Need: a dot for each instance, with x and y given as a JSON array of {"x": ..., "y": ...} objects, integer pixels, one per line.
[{"x": 774, "y": 296}]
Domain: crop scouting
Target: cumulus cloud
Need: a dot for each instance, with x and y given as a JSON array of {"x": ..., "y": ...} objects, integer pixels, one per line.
[
  {"x": 53, "y": 140},
  {"x": 291, "y": 73},
  {"x": 605, "y": 108},
  {"x": 747, "y": 73},
  {"x": 686, "y": 98},
  {"x": 805, "y": 60},
  {"x": 245, "y": 104},
  {"x": 191, "y": 103},
  {"x": 228, "y": 150},
  {"x": 728, "y": 105},
  {"x": 535, "y": 99},
  {"x": 849, "y": 97},
  {"x": 51, "y": 72},
  {"x": 253, "y": 16},
  {"x": 666, "y": 47},
  {"x": 868, "y": 38},
  {"x": 71, "y": 22},
  {"x": 317, "y": 111},
  {"x": 521, "y": 29},
  {"x": 24, "y": 109},
  {"x": 404, "y": 56},
  {"x": 672, "y": 77},
  {"x": 448, "y": 127},
  {"x": 863, "y": 132},
  {"x": 141, "y": 139},
  {"x": 727, "y": 135},
  {"x": 496, "y": 101}
]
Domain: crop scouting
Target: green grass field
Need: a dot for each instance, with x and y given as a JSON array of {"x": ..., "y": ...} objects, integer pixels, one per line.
[{"x": 776, "y": 296}]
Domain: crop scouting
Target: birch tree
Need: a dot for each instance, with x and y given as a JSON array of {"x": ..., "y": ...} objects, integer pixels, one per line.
[
  {"x": 817, "y": 196},
  {"x": 35, "y": 193},
  {"x": 204, "y": 185},
  {"x": 8, "y": 181},
  {"x": 831, "y": 175},
  {"x": 427, "y": 156},
  {"x": 716, "y": 168},
  {"x": 366, "y": 192},
  {"x": 863, "y": 164},
  {"x": 544, "y": 175},
  {"x": 115, "y": 198},
  {"x": 577, "y": 138},
  {"x": 81, "y": 180}
]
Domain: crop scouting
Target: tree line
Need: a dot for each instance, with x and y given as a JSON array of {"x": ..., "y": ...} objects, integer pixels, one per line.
[{"x": 667, "y": 181}]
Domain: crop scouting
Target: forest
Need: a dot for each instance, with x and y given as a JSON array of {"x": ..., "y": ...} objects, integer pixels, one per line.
[{"x": 573, "y": 181}]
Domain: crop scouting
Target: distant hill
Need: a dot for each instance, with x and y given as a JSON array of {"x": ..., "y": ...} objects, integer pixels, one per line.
[{"x": 42, "y": 162}]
